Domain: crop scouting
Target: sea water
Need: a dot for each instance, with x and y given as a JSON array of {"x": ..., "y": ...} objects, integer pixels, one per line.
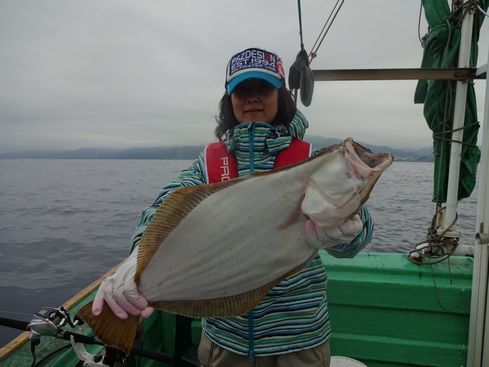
[{"x": 64, "y": 223}]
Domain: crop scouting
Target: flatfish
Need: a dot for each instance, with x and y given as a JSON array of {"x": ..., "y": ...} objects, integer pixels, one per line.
[{"x": 217, "y": 249}]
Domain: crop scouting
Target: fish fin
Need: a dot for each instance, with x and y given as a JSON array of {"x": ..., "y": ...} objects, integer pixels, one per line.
[
  {"x": 224, "y": 306},
  {"x": 168, "y": 216},
  {"x": 110, "y": 329}
]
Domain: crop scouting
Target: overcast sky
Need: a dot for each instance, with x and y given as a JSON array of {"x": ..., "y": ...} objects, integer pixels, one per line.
[{"x": 121, "y": 73}]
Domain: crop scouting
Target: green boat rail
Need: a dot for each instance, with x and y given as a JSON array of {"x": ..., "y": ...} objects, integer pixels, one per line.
[{"x": 385, "y": 311}]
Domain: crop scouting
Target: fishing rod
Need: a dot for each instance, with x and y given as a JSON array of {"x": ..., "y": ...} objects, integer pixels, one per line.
[{"x": 49, "y": 321}]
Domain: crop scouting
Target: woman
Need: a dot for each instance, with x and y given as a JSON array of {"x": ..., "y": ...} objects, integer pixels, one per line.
[{"x": 259, "y": 129}]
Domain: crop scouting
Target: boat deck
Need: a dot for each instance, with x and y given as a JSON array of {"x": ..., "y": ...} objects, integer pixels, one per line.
[{"x": 385, "y": 311}]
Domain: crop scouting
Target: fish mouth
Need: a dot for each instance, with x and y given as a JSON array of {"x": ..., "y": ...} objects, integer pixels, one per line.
[
  {"x": 366, "y": 165},
  {"x": 370, "y": 161}
]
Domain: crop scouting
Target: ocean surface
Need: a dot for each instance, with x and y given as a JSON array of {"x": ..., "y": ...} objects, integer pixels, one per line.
[{"x": 64, "y": 223}]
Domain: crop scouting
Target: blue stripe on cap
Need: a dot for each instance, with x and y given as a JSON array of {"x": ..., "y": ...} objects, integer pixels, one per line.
[{"x": 276, "y": 82}]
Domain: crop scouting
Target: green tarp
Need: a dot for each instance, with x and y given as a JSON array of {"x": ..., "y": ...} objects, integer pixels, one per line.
[{"x": 441, "y": 48}]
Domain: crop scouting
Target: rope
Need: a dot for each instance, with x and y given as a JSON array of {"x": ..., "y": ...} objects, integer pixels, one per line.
[
  {"x": 435, "y": 287},
  {"x": 320, "y": 38},
  {"x": 300, "y": 23},
  {"x": 440, "y": 136},
  {"x": 419, "y": 23},
  {"x": 325, "y": 24},
  {"x": 434, "y": 243},
  {"x": 459, "y": 13},
  {"x": 482, "y": 11}
]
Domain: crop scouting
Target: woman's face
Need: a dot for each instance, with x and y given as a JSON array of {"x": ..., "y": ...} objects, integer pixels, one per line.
[{"x": 255, "y": 100}]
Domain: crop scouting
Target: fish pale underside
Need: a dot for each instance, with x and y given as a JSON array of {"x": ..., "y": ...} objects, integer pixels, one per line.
[{"x": 217, "y": 249}]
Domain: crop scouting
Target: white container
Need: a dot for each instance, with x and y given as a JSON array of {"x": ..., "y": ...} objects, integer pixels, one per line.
[{"x": 339, "y": 361}]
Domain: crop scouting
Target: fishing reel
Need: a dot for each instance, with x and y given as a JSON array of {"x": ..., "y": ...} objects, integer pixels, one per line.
[{"x": 48, "y": 321}]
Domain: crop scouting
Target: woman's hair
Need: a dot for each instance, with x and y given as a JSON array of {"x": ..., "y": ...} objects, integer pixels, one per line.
[{"x": 226, "y": 120}]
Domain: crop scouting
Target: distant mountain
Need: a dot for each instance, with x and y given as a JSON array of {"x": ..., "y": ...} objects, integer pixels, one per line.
[
  {"x": 411, "y": 155},
  {"x": 424, "y": 154},
  {"x": 192, "y": 151},
  {"x": 170, "y": 152}
]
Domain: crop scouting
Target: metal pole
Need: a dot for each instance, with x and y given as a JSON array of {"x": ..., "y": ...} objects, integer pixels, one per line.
[
  {"x": 458, "y": 122},
  {"x": 479, "y": 322},
  {"x": 398, "y": 74}
]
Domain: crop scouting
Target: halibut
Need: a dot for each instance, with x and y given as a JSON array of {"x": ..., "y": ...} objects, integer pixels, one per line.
[{"x": 217, "y": 249}]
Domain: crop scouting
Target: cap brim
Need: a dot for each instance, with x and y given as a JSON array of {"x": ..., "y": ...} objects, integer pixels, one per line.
[{"x": 276, "y": 82}]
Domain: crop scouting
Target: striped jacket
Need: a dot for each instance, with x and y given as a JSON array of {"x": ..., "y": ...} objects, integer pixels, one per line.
[{"x": 294, "y": 314}]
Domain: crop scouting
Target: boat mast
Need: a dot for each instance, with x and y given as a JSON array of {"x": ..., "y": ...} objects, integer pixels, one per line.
[
  {"x": 478, "y": 346},
  {"x": 457, "y": 129}
]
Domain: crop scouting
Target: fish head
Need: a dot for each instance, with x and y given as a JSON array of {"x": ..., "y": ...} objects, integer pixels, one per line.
[{"x": 342, "y": 182}]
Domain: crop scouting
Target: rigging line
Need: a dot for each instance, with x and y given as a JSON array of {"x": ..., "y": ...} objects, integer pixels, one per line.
[
  {"x": 313, "y": 53},
  {"x": 459, "y": 142},
  {"x": 482, "y": 11},
  {"x": 324, "y": 26},
  {"x": 445, "y": 230},
  {"x": 461, "y": 11},
  {"x": 419, "y": 23},
  {"x": 433, "y": 221},
  {"x": 300, "y": 23},
  {"x": 447, "y": 44},
  {"x": 466, "y": 126},
  {"x": 430, "y": 259},
  {"x": 435, "y": 287},
  {"x": 450, "y": 270}
]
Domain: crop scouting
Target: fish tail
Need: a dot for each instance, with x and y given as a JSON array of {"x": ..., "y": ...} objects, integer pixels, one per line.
[{"x": 110, "y": 329}]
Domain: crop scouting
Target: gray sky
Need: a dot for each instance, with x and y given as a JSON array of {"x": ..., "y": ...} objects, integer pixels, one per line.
[{"x": 120, "y": 73}]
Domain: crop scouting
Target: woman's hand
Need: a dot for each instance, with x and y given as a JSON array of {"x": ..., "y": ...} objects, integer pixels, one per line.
[
  {"x": 324, "y": 237},
  {"x": 120, "y": 292}
]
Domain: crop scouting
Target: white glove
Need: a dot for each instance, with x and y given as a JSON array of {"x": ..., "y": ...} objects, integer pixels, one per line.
[
  {"x": 325, "y": 237},
  {"x": 121, "y": 293}
]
